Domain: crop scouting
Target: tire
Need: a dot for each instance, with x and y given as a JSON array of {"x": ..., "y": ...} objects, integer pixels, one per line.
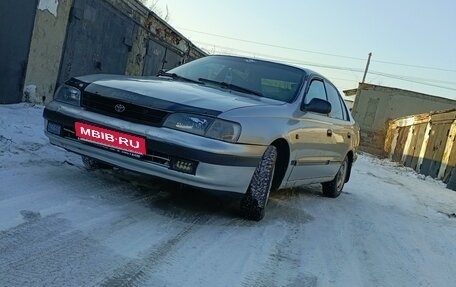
[
  {"x": 93, "y": 164},
  {"x": 334, "y": 187},
  {"x": 254, "y": 202}
]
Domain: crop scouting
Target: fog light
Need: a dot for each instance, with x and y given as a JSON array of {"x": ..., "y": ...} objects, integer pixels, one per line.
[
  {"x": 54, "y": 128},
  {"x": 183, "y": 165}
]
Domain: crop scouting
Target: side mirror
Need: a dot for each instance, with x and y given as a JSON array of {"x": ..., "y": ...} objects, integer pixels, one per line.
[{"x": 318, "y": 106}]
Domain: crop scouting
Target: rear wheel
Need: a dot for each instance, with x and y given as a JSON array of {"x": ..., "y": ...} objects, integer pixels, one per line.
[
  {"x": 334, "y": 187},
  {"x": 93, "y": 164},
  {"x": 254, "y": 202}
]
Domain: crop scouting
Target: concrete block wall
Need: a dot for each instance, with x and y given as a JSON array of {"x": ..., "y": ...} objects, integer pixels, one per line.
[
  {"x": 375, "y": 105},
  {"x": 46, "y": 49}
]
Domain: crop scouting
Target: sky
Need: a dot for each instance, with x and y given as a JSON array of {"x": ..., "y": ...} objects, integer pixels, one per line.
[{"x": 413, "y": 43}]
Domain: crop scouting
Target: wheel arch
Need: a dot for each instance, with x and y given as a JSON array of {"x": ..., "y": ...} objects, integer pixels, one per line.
[
  {"x": 282, "y": 162},
  {"x": 350, "y": 156}
]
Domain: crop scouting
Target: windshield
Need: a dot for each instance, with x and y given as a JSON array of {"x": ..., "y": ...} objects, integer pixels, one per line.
[{"x": 270, "y": 80}]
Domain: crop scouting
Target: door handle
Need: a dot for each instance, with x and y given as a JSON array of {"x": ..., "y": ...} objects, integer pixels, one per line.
[{"x": 329, "y": 132}]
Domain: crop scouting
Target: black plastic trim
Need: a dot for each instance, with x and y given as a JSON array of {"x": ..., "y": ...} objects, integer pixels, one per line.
[{"x": 166, "y": 148}]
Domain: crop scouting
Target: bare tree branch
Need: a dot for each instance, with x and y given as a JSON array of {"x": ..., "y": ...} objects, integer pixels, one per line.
[{"x": 154, "y": 7}]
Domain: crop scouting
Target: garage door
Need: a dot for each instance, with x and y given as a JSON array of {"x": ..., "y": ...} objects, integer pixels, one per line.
[
  {"x": 99, "y": 39},
  {"x": 15, "y": 46}
]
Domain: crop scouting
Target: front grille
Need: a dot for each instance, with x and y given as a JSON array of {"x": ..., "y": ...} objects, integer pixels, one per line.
[
  {"x": 159, "y": 158},
  {"x": 132, "y": 112}
]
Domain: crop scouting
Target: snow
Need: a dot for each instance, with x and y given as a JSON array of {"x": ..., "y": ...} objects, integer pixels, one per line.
[
  {"x": 30, "y": 94},
  {"x": 61, "y": 225},
  {"x": 50, "y": 5}
]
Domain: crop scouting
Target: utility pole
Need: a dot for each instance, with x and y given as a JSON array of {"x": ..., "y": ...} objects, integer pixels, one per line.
[{"x": 367, "y": 67}]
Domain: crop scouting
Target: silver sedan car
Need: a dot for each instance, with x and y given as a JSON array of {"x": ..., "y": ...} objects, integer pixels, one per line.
[{"x": 223, "y": 123}]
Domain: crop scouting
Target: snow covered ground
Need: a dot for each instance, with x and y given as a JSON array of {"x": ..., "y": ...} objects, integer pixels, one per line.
[{"x": 61, "y": 225}]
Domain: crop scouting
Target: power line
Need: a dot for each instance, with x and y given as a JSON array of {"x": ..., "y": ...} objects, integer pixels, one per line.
[
  {"x": 342, "y": 79},
  {"x": 284, "y": 60},
  {"x": 274, "y": 46},
  {"x": 356, "y": 70},
  {"x": 417, "y": 78},
  {"x": 321, "y": 53},
  {"x": 426, "y": 82},
  {"x": 414, "y": 66},
  {"x": 403, "y": 78}
]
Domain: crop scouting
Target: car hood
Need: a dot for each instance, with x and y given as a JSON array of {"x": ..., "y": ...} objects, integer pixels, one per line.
[{"x": 170, "y": 94}]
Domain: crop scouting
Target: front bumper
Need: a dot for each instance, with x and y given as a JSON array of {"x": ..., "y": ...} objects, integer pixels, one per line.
[{"x": 221, "y": 166}]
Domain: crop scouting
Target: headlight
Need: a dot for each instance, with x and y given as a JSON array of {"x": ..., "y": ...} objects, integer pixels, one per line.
[
  {"x": 189, "y": 123},
  {"x": 204, "y": 126},
  {"x": 68, "y": 94},
  {"x": 224, "y": 130}
]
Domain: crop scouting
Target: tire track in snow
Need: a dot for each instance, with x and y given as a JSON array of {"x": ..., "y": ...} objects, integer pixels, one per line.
[
  {"x": 138, "y": 272},
  {"x": 282, "y": 266},
  {"x": 48, "y": 251}
]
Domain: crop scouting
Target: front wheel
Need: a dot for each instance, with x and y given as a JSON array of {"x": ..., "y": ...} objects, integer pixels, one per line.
[
  {"x": 334, "y": 187},
  {"x": 254, "y": 201}
]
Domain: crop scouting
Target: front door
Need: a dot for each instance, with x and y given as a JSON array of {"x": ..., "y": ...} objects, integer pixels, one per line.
[{"x": 313, "y": 141}]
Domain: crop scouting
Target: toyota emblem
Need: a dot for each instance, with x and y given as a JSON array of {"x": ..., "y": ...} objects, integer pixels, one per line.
[{"x": 119, "y": 108}]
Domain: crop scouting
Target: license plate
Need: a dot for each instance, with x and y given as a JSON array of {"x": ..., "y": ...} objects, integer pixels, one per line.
[{"x": 110, "y": 138}]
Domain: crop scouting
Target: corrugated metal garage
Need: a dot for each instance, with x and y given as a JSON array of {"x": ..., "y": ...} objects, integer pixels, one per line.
[{"x": 425, "y": 142}]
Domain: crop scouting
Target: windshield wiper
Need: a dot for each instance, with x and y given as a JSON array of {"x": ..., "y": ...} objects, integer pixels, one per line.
[
  {"x": 231, "y": 87},
  {"x": 175, "y": 76}
]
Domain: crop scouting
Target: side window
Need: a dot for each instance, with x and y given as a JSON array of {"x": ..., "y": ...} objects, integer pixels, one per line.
[
  {"x": 316, "y": 90},
  {"x": 344, "y": 110},
  {"x": 334, "y": 100}
]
